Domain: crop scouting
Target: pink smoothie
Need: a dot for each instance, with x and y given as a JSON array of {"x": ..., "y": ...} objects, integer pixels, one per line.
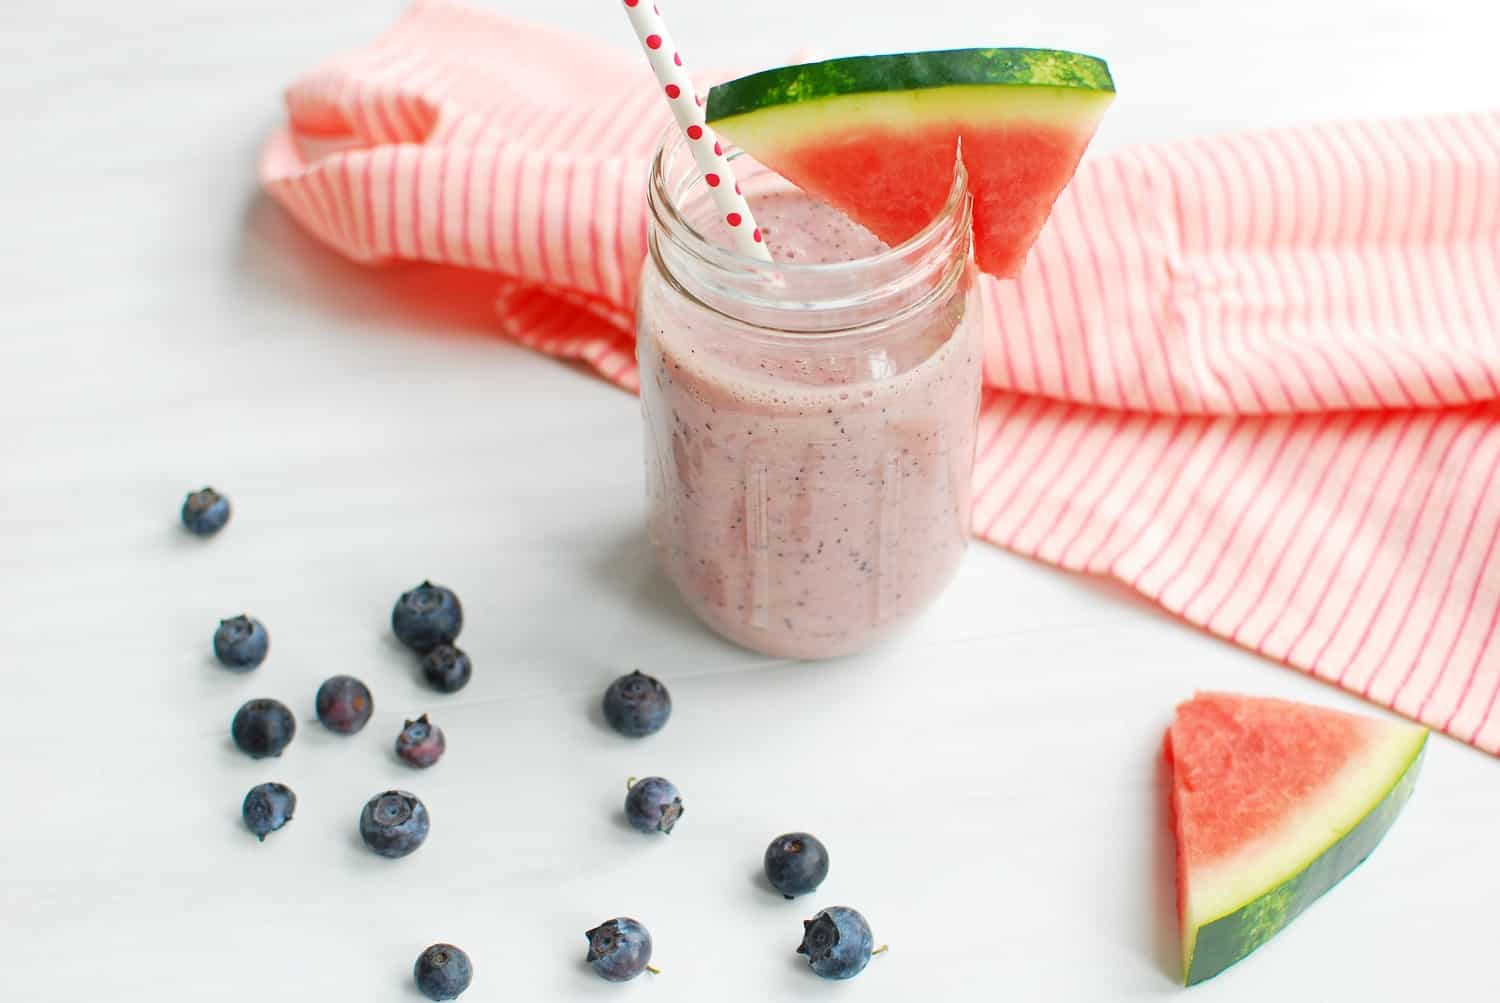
[{"x": 808, "y": 500}]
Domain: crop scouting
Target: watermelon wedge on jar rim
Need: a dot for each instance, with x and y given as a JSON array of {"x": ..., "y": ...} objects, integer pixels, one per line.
[
  {"x": 876, "y": 136},
  {"x": 1273, "y": 803}
]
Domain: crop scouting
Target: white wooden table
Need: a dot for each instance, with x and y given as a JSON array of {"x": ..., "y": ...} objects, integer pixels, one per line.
[{"x": 988, "y": 784}]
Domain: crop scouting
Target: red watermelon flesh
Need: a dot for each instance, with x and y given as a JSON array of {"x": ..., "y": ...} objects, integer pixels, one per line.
[
  {"x": 1016, "y": 175},
  {"x": 895, "y": 184},
  {"x": 1273, "y": 803}
]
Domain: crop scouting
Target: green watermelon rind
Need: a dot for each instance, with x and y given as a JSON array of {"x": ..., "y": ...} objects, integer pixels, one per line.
[
  {"x": 1230, "y": 938},
  {"x": 834, "y": 78}
]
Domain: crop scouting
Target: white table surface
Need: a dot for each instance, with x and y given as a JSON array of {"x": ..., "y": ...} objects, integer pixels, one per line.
[{"x": 988, "y": 784}]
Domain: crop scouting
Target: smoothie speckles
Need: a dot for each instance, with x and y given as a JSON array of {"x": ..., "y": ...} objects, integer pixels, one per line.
[{"x": 805, "y": 500}]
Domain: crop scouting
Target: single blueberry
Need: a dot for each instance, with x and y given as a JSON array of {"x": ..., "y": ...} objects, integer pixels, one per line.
[
  {"x": 619, "y": 950},
  {"x": 241, "y": 643},
  {"x": 205, "y": 512},
  {"x": 344, "y": 704},
  {"x": 796, "y": 863},
  {"x": 267, "y": 808},
  {"x": 394, "y": 823},
  {"x": 447, "y": 668},
  {"x": 653, "y": 805},
  {"x": 637, "y": 705},
  {"x": 443, "y": 972},
  {"x": 427, "y": 616},
  {"x": 837, "y": 942},
  {"x": 263, "y": 728},
  {"x": 421, "y": 743}
]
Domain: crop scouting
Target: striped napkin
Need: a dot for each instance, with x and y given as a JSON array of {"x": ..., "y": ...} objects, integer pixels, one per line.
[{"x": 1252, "y": 377}]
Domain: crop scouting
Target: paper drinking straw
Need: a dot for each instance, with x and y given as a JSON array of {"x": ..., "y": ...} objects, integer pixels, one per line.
[{"x": 666, "y": 63}]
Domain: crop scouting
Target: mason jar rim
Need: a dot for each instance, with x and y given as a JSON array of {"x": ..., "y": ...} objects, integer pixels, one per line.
[
  {"x": 664, "y": 210},
  {"x": 706, "y": 271}
]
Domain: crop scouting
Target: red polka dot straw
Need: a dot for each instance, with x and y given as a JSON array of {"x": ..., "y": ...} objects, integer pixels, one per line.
[{"x": 687, "y": 108}]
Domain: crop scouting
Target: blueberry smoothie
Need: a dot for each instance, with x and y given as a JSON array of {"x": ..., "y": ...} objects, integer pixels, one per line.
[{"x": 809, "y": 492}]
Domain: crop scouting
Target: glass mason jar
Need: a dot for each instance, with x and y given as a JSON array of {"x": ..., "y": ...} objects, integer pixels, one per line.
[{"x": 810, "y": 423}]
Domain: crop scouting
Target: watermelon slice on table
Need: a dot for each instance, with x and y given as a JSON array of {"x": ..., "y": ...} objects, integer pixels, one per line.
[
  {"x": 1273, "y": 803},
  {"x": 876, "y": 136}
]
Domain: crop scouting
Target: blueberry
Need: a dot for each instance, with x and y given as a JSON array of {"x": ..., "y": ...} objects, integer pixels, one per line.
[
  {"x": 447, "y": 668},
  {"x": 837, "y": 942},
  {"x": 443, "y": 972},
  {"x": 393, "y": 824},
  {"x": 653, "y": 805},
  {"x": 427, "y": 616},
  {"x": 619, "y": 950},
  {"x": 267, "y": 808},
  {"x": 263, "y": 728},
  {"x": 241, "y": 643},
  {"x": 796, "y": 863},
  {"x": 205, "y": 512},
  {"x": 637, "y": 705},
  {"x": 421, "y": 743},
  {"x": 344, "y": 704}
]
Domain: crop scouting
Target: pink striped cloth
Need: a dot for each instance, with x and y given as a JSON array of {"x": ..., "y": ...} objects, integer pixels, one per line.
[{"x": 1253, "y": 377}]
